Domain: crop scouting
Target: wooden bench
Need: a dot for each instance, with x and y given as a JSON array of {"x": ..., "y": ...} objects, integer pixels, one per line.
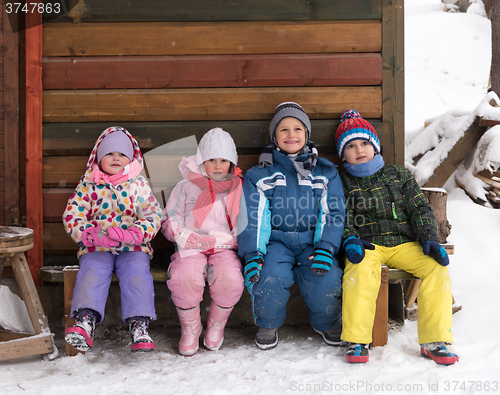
[
  {"x": 404, "y": 300},
  {"x": 67, "y": 276}
]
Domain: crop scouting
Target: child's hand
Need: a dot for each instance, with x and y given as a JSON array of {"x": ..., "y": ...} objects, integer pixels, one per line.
[
  {"x": 197, "y": 242},
  {"x": 322, "y": 261},
  {"x": 131, "y": 235},
  {"x": 436, "y": 251},
  {"x": 94, "y": 236},
  {"x": 253, "y": 267},
  {"x": 355, "y": 249},
  {"x": 223, "y": 239}
]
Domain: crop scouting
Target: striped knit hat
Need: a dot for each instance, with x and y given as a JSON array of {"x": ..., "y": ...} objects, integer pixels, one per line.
[
  {"x": 353, "y": 127},
  {"x": 290, "y": 109}
]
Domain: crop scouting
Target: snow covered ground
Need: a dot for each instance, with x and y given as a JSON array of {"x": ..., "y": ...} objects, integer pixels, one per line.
[{"x": 447, "y": 67}]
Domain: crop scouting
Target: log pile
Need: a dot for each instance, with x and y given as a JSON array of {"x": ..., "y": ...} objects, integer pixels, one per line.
[
  {"x": 492, "y": 180},
  {"x": 464, "y": 156}
]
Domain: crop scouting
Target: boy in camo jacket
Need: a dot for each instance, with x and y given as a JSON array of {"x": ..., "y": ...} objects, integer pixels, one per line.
[{"x": 388, "y": 222}]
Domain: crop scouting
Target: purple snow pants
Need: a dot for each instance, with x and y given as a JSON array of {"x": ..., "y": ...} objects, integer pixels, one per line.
[{"x": 136, "y": 283}]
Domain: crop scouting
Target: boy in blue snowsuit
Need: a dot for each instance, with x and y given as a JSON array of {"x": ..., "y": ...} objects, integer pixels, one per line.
[{"x": 295, "y": 209}]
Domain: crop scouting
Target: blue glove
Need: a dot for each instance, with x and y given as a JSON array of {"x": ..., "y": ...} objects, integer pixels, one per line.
[
  {"x": 355, "y": 249},
  {"x": 436, "y": 251},
  {"x": 322, "y": 261},
  {"x": 252, "y": 269}
]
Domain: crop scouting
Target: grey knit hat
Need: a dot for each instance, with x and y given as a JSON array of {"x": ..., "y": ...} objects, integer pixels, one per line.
[
  {"x": 216, "y": 143},
  {"x": 290, "y": 109}
]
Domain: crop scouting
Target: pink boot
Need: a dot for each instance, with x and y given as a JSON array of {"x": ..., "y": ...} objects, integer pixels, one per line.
[
  {"x": 191, "y": 329},
  {"x": 217, "y": 318}
]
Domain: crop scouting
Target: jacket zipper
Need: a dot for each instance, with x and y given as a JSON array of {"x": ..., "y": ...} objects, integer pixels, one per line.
[{"x": 393, "y": 204}]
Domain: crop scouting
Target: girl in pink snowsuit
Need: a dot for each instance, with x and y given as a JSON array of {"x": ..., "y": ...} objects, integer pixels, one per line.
[{"x": 200, "y": 218}]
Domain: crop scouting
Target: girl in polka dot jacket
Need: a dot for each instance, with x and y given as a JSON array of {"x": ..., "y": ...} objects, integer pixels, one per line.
[{"x": 113, "y": 216}]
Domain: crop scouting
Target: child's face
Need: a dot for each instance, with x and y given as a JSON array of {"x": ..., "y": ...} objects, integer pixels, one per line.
[
  {"x": 358, "y": 151},
  {"x": 217, "y": 169},
  {"x": 290, "y": 135},
  {"x": 114, "y": 162}
]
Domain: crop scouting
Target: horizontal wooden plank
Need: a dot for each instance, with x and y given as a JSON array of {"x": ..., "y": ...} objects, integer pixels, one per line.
[
  {"x": 205, "y": 38},
  {"x": 62, "y": 172},
  {"x": 249, "y": 136},
  {"x": 55, "y": 238},
  {"x": 220, "y": 10},
  {"x": 55, "y": 274},
  {"x": 115, "y": 105},
  {"x": 54, "y": 203},
  {"x": 223, "y": 71},
  {"x": 34, "y": 345},
  {"x": 66, "y": 171}
]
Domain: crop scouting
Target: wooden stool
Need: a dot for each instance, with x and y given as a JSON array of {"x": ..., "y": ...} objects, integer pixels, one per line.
[{"x": 13, "y": 242}]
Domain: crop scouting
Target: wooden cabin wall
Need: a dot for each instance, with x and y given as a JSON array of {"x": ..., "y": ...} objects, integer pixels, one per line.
[
  {"x": 2, "y": 128},
  {"x": 168, "y": 69},
  {"x": 9, "y": 120}
]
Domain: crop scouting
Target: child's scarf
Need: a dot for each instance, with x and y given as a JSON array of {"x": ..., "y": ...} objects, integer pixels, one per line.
[
  {"x": 304, "y": 168},
  {"x": 211, "y": 189},
  {"x": 132, "y": 170},
  {"x": 365, "y": 169}
]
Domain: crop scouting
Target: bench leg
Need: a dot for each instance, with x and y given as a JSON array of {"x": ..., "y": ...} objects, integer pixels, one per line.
[
  {"x": 380, "y": 332},
  {"x": 411, "y": 293},
  {"x": 69, "y": 285}
]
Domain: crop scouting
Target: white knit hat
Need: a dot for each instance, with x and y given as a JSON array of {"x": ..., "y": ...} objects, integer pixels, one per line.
[{"x": 216, "y": 143}]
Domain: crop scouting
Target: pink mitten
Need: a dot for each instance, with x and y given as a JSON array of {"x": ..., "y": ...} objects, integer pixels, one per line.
[
  {"x": 197, "y": 242},
  {"x": 94, "y": 236},
  {"x": 131, "y": 235}
]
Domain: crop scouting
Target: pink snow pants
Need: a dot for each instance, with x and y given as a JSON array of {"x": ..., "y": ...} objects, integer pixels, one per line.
[{"x": 221, "y": 270}]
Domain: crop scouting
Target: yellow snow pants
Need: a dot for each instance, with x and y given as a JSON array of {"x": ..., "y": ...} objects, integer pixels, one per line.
[{"x": 361, "y": 283}]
